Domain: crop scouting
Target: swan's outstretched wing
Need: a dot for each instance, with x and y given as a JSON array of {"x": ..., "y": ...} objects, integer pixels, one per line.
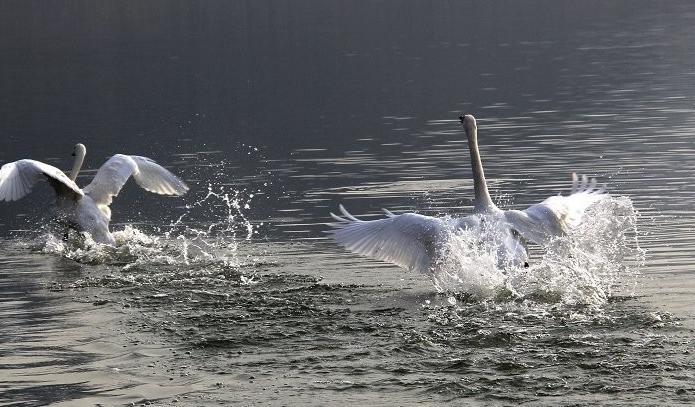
[
  {"x": 19, "y": 177},
  {"x": 148, "y": 174},
  {"x": 406, "y": 240},
  {"x": 557, "y": 214}
]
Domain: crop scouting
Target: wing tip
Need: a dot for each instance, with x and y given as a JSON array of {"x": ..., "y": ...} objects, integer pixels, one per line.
[
  {"x": 341, "y": 220},
  {"x": 587, "y": 185}
]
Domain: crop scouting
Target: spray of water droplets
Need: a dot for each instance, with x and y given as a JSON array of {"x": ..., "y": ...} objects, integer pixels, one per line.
[
  {"x": 209, "y": 231},
  {"x": 595, "y": 260}
]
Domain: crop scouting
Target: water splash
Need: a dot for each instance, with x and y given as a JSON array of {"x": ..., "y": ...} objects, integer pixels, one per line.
[
  {"x": 205, "y": 233},
  {"x": 209, "y": 231},
  {"x": 586, "y": 267}
]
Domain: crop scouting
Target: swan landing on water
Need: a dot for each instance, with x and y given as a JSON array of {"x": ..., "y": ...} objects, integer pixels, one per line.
[
  {"x": 87, "y": 210},
  {"x": 414, "y": 241}
]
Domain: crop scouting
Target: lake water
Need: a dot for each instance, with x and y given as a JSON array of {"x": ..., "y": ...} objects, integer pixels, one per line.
[{"x": 275, "y": 112}]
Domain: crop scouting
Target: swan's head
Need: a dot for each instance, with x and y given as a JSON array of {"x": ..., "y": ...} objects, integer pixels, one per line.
[
  {"x": 468, "y": 122},
  {"x": 79, "y": 150}
]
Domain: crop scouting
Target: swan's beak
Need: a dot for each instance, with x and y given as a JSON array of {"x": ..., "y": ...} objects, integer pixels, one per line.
[{"x": 462, "y": 118}]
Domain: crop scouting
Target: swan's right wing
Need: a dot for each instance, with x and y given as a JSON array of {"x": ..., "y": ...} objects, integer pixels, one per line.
[
  {"x": 18, "y": 178},
  {"x": 118, "y": 169},
  {"x": 406, "y": 240}
]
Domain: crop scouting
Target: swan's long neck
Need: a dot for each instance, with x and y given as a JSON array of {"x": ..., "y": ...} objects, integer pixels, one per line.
[
  {"x": 482, "y": 201},
  {"x": 80, "y": 152}
]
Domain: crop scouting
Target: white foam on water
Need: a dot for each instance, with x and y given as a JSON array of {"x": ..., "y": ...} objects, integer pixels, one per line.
[{"x": 585, "y": 267}]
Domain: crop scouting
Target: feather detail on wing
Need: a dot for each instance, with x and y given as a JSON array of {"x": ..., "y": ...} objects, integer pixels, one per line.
[
  {"x": 18, "y": 178},
  {"x": 118, "y": 169},
  {"x": 406, "y": 240},
  {"x": 556, "y": 215}
]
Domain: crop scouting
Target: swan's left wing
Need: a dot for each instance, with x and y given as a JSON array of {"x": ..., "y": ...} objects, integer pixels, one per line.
[
  {"x": 406, "y": 240},
  {"x": 556, "y": 215},
  {"x": 118, "y": 169}
]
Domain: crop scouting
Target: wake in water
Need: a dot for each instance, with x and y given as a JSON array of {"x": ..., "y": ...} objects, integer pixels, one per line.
[{"x": 584, "y": 267}]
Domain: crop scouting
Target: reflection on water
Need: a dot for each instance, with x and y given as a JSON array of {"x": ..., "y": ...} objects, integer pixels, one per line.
[{"x": 299, "y": 107}]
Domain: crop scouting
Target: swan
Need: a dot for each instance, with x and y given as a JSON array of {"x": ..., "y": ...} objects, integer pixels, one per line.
[
  {"x": 413, "y": 241},
  {"x": 87, "y": 209}
]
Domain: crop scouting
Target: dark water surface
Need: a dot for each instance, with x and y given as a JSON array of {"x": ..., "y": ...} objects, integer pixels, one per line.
[{"x": 275, "y": 112}]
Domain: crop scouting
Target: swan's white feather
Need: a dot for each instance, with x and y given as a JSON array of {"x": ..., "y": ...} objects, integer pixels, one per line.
[
  {"x": 406, "y": 240},
  {"x": 118, "y": 169},
  {"x": 19, "y": 177},
  {"x": 558, "y": 214},
  {"x": 88, "y": 209}
]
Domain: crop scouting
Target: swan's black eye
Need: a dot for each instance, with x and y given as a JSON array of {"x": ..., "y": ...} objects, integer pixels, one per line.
[
  {"x": 73, "y": 154},
  {"x": 462, "y": 119}
]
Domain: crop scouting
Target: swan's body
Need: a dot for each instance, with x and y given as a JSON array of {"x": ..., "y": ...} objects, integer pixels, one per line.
[
  {"x": 414, "y": 241},
  {"x": 88, "y": 209}
]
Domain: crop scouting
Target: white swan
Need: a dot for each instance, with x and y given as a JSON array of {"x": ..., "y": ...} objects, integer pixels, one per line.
[
  {"x": 414, "y": 241},
  {"x": 88, "y": 209}
]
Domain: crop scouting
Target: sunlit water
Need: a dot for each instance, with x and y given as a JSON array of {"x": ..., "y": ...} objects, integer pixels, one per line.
[{"x": 233, "y": 294}]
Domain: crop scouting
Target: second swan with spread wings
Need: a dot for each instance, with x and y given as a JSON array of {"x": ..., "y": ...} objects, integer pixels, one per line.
[{"x": 414, "y": 241}]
